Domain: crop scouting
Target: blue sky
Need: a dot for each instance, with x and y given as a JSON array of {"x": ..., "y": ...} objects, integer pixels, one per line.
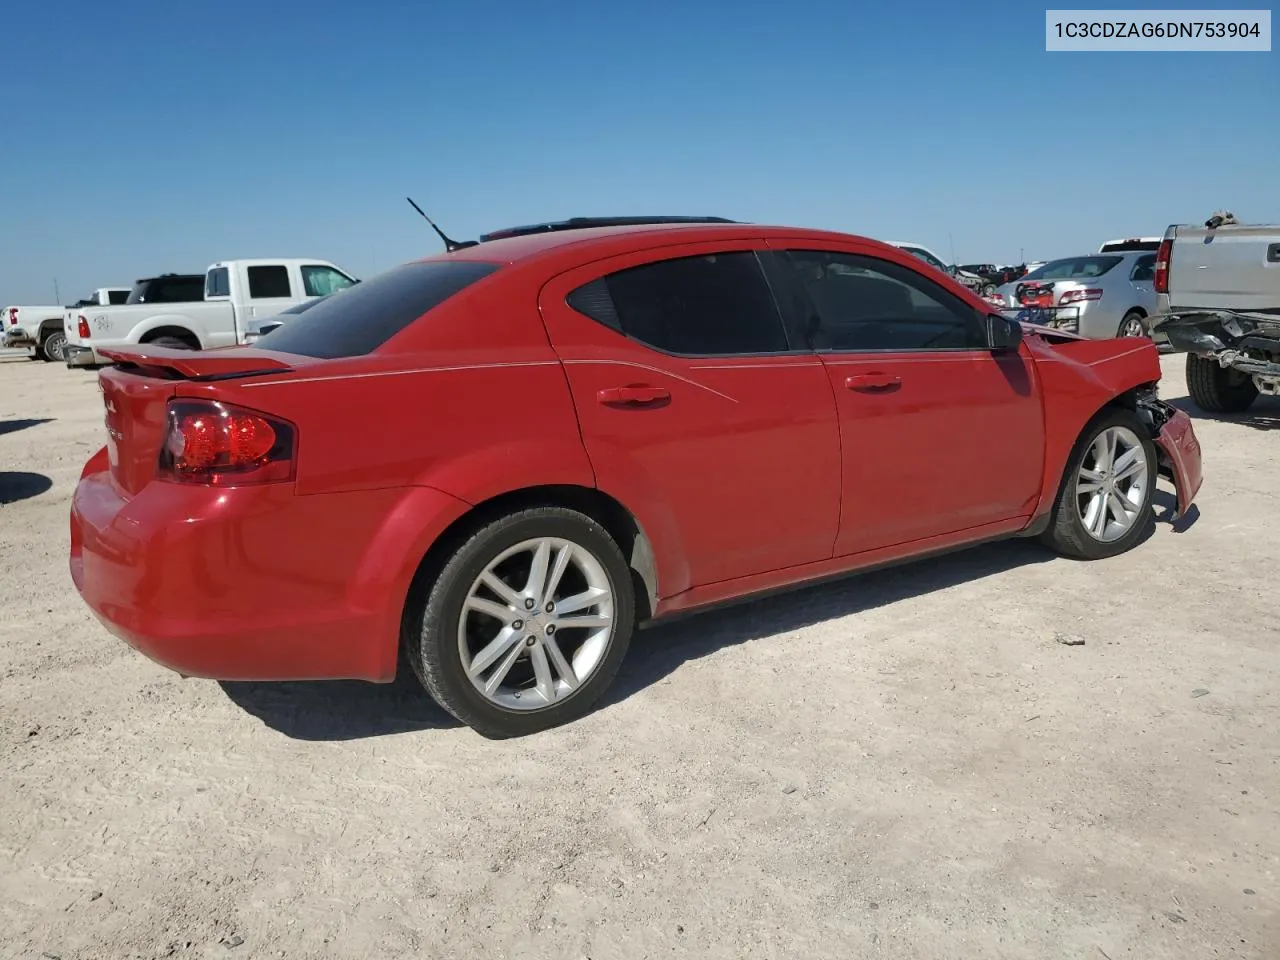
[{"x": 141, "y": 137}]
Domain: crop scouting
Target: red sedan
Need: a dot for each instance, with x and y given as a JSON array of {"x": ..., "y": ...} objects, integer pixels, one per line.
[{"x": 502, "y": 458}]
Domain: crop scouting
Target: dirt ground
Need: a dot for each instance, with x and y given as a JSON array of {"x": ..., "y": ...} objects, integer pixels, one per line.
[{"x": 902, "y": 765}]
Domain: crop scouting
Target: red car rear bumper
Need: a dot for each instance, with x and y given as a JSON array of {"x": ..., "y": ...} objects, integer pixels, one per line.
[
  {"x": 252, "y": 583},
  {"x": 1178, "y": 442}
]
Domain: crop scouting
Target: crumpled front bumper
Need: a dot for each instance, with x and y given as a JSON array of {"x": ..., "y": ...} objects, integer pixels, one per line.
[{"x": 1180, "y": 449}]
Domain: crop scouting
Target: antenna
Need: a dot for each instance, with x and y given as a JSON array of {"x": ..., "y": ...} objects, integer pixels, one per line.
[{"x": 449, "y": 245}]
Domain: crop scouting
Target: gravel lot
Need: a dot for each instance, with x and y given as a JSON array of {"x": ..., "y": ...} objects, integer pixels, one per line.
[{"x": 902, "y": 765}]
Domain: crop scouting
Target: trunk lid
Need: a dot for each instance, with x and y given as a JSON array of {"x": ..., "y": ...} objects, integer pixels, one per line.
[{"x": 136, "y": 391}]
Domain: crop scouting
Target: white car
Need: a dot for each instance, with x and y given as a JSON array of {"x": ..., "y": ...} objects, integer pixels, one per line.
[
  {"x": 237, "y": 294},
  {"x": 920, "y": 251}
]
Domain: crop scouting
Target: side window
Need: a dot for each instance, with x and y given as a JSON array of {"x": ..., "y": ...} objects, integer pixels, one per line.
[
  {"x": 218, "y": 283},
  {"x": 711, "y": 305},
  {"x": 863, "y": 303},
  {"x": 174, "y": 290},
  {"x": 117, "y": 297},
  {"x": 267, "y": 283},
  {"x": 318, "y": 281},
  {"x": 1144, "y": 270}
]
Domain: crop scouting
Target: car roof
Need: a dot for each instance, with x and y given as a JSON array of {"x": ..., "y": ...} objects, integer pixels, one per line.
[
  {"x": 621, "y": 238},
  {"x": 580, "y": 223}
]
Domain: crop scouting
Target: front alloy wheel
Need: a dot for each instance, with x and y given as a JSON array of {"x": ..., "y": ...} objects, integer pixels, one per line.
[
  {"x": 1111, "y": 484},
  {"x": 526, "y": 623},
  {"x": 1104, "y": 500}
]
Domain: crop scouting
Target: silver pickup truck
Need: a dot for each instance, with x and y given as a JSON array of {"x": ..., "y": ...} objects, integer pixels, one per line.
[{"x": 1218, "y": 300}]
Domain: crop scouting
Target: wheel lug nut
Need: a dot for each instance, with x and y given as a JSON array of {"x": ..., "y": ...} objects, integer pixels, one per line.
[
  {"x": 551, "y": 628},
  {"x": 528, "y": 604},
  {"x": 530, "y": 641},
  {"x": 517, "y": 625},
  {"x": 551, "y": 608}
]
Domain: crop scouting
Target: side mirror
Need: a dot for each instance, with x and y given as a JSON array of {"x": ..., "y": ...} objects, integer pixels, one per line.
[{"x": 1003, "y": 335}]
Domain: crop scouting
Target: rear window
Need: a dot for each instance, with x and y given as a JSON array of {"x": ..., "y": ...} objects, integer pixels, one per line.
[
  {"x": 117, "y": 297},
  {"x": 359, "y": 319},
  {"x": 218, "y": 283},
  {"x": 175, "y": 289},
  {"x": 1072, "y": 268}
]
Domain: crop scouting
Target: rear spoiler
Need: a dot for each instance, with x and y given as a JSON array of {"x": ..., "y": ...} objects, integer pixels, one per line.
[{"x": 174, "y": 364}]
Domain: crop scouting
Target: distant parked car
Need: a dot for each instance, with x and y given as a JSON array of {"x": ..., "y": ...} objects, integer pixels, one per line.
[
  {"x": 492, "y": 463},
  {"x": 963, "y": 276},
  {"x": 994, "y": 274},
  {"x": 41, "y": 327},
  {"x": 226, "y": 299},
  {"x": 1097, "y": 296}
]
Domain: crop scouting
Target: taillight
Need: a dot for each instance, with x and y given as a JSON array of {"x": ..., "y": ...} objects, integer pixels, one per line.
[
  {"x": 1076, "y": 296},
  {"x": 13, "y": 316},
  {"x": 82, "y": 327},
  {"x": 224, "y": 445},
  {"x": 1163, "y": 256}
]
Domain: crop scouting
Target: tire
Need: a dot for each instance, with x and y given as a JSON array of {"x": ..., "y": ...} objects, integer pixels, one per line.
[
  {"x": 1134, "y": 324},
  {"x": 173, "y": 343},
  {"x": 1217, "y": 389},
  {"x": 1067, "y": 533},
  {"x": 435, "y": 650},
  {"x": 53, "y": 347}
]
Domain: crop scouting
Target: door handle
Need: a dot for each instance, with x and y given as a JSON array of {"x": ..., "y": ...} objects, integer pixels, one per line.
[
  {"x": 638, "y": 395},
  {"x": 870, "y": 382}
]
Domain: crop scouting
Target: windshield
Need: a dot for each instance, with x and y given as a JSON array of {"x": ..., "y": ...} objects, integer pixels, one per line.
[{"x": 1072, "y": 268}]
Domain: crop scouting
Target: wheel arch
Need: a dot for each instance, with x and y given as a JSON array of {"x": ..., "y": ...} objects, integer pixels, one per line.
[
  {"x": 1084, "y": 379},
  {"x": 1128, "y": 400},
  {"x": 619, "y": 522},
  {"x": 164, "y": 329}
]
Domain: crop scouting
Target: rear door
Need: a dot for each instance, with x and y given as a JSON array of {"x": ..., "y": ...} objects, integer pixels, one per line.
[
  {"x": 697, "y": 410},
  {"x": 938, "y": 434}
]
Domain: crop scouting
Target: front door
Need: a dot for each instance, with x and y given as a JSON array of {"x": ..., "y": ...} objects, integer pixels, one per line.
[
  {"x": 938, "y": 434},
  {"x": 697, "y": 411}
]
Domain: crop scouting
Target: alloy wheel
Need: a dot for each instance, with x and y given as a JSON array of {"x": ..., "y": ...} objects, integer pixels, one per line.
[
  {"x": 1133, "y": 328},
  {"x": 536, "y": 623},
  {"x": 1111, "y": 487}
]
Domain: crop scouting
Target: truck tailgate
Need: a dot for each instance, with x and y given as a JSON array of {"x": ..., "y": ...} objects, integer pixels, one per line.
[{"x": 1235, "y": 267}]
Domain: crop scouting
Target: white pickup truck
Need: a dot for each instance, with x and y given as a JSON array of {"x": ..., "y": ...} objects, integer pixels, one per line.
[
  {"x": 41, "y": 327},
  {"x": 237, "y": 294}
]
